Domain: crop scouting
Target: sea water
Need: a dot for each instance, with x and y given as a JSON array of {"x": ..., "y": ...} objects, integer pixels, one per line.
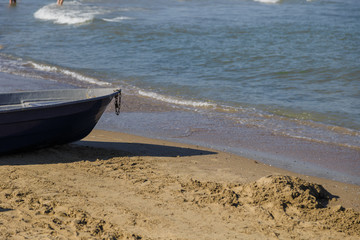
[{"x": 275, "y": 80}]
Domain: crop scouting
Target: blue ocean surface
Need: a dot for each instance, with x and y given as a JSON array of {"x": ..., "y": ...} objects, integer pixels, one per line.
[{"x": 289, "y": 67}]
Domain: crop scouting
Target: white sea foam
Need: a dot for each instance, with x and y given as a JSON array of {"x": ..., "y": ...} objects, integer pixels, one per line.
[
  {"x": 175, "y": 100},
  {"x": 268, "y": 1},
  {"x": 70, "y": 13},
  {"x": 84, "y": 78},
  {"x": 77, "y": 76},
  {"x": 116, "y": 19},
  {"x": 43, "y": 67}
]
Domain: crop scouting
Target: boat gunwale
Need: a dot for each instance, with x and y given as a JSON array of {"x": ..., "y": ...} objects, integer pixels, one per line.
[{"x": 60, "y": 104}]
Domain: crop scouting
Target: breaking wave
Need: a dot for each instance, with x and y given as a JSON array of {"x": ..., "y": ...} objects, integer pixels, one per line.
[
  {"x": 116, "y": 19},
  {"x": 72, "y": 74},
  {"x": 175, "y": 101},
  {"x": 71, "y": 13}
]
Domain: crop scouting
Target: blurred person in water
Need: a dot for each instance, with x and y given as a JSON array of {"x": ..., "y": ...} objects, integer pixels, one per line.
[
  {"x": 59, "y": 2},
  {"x": 12, "y": 2}
]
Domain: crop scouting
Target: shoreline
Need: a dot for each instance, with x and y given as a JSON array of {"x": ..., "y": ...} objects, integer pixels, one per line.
[
  {"x": 176, "y": 124},
  {"x": 161, "y": 120},
  {"x": 122, "y": 186}
]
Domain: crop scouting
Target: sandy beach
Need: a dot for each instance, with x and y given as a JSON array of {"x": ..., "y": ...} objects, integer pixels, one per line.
[
  {"x": 239, "y": 120},
  {"x": 112, "y": 185}
]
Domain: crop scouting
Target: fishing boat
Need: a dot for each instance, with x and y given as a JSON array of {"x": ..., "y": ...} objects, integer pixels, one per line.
[{"x": 37, "y": 119}]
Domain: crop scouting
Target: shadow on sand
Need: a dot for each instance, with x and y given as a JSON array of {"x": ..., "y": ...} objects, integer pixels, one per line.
[{"x": 91, "y": 151}]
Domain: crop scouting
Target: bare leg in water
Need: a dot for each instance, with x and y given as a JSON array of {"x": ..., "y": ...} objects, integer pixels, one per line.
[{"x": 60, "y": 2}]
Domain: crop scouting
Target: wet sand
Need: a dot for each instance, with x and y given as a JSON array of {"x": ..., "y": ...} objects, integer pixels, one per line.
[
  {"x": 112, "y": 185},
  {"x": 156, "y": 119}
]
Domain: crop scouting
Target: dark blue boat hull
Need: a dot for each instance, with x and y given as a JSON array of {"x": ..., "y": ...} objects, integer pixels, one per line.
[{"x": 53, "y": 125}]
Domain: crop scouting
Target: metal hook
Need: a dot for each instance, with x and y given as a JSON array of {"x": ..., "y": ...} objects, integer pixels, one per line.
[{"x": 117, "y": 103}]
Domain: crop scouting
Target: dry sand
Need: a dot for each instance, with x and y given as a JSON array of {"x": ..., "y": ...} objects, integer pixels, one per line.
[{"x": 118, "y": 186}]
